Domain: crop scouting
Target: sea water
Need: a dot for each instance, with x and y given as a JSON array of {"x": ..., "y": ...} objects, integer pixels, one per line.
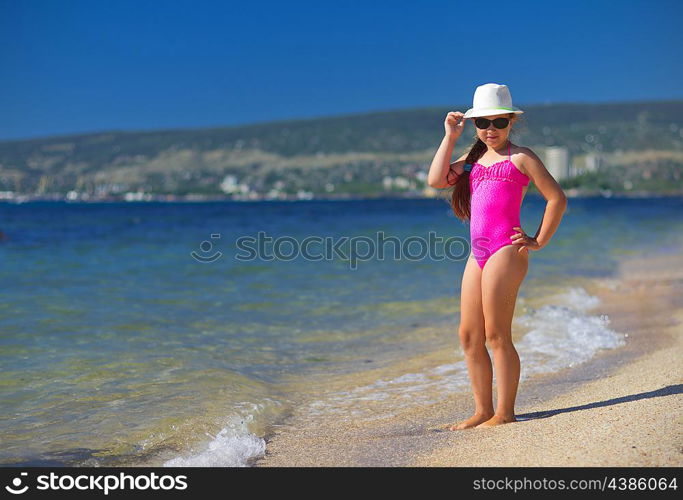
[{"x": 149, "y": 333}]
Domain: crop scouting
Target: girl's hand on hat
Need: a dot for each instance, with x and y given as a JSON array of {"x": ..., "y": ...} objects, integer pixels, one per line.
[{"x": 454, "y": 124}]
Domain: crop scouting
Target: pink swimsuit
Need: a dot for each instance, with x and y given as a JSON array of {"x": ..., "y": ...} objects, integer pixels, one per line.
[{"x": 496, "y": 199}]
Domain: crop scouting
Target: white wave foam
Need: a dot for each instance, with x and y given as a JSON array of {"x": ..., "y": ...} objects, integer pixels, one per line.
[
  {"x": 564, "y": 335},
  {"x": 560, "y": 334},
  {"x": 578, "y": 299},
  {"x": 233, "y": 446}
]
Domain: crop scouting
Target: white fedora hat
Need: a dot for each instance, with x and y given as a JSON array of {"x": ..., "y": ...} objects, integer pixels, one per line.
[{"x": 491, "y": 99}]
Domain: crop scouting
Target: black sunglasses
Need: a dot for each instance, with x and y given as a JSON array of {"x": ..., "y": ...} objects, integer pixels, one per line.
[{"x": 499, "y": 123}]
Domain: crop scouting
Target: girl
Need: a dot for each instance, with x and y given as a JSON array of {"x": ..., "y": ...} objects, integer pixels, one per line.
[{"x": 488, "y": 184}]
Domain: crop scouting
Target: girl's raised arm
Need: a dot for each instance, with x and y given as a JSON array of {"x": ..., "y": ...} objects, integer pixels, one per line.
[{"x": 441, "y": 164}]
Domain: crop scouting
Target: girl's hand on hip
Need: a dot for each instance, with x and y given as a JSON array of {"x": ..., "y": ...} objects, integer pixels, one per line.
[{"x": 524, "y": 240}]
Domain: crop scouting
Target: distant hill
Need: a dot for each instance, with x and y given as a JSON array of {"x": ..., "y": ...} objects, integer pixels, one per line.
[{"x": 353, "y": 153}]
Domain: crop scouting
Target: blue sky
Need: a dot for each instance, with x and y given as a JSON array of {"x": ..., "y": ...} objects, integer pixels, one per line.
[{"x": 86, "y": 66}]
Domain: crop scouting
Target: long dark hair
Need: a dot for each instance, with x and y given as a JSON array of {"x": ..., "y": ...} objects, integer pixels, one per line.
[{"x": 459, "y": 193}]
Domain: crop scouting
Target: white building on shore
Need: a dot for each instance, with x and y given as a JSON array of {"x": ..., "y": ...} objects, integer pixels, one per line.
[
  {"x": 593, "y": 162},
  {"x": 556, "y": 160}
]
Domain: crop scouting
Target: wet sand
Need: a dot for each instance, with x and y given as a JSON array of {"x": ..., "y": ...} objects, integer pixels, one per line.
[{"x": 621, "y": 408}]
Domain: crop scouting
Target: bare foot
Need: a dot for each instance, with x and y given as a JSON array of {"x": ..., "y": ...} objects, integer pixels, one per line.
[
  {"x": 497, "y": 420},
  {"x": 473, "y": 421}
]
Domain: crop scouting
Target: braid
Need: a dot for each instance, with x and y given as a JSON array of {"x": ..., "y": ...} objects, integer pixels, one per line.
[{"x": 460, "y": 192}]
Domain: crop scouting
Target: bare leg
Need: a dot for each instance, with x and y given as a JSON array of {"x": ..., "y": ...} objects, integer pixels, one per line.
[
  {"x": 501, "y": 279},
  {"x": 473, "y": 342}
]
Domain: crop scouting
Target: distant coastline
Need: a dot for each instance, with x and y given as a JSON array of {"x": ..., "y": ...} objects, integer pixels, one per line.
[
  {"x": 173, "y": 198},
  {"x": 632, "y": 149}
]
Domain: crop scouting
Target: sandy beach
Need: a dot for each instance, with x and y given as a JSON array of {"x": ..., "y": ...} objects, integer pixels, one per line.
[{"x": 621, "y": 408}]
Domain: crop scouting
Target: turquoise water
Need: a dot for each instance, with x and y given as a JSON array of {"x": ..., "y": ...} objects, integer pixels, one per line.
[{"x": 117, "y": 345}]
